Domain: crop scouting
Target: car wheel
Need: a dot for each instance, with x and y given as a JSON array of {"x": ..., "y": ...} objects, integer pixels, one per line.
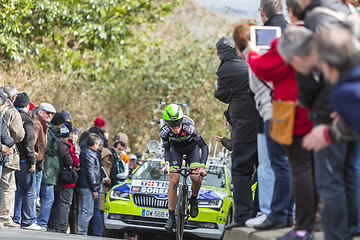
[
  {"x": 228, "y": 221},
  {"x": 229, "y": 217}
]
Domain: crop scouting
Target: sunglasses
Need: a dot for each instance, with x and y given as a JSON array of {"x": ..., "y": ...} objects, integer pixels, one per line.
[{"x": 49, "y": 113}]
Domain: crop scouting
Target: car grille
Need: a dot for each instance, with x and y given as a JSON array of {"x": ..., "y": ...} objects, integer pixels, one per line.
[
  {"x": 150, "y": 201},
  {"x": 154, "y": 222}
]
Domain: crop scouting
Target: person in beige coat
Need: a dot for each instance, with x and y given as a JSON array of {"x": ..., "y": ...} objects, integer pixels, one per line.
[
  {"x": 15, "y": 130},
  {"x": 106, "y": 163}
]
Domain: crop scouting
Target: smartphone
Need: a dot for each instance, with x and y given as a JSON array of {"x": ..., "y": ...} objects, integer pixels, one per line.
[{"x": 262, "y": 36}]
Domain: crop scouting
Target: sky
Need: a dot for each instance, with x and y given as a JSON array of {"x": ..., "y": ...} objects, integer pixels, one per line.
[
  {"x": 239, "y": 6},
  {"x": 245, "y": 7}
]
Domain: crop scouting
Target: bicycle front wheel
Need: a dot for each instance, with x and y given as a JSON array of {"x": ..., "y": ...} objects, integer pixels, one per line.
[{"x": 180, "y": 216}]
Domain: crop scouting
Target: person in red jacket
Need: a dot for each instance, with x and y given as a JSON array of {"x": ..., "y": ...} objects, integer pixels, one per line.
[{"x": 271, "y": 67}]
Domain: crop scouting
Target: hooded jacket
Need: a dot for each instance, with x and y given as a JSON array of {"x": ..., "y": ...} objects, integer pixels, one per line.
[
  {"x": 233, "y": 88},
  {"x": 51, "y": 167}
]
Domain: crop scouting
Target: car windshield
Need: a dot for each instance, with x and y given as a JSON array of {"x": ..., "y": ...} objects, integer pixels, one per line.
[
  {"x": 151, "y": 170},
  {"x": 215, "y": 176}
]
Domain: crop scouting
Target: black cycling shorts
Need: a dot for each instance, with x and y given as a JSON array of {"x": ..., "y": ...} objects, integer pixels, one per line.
[{"x": 192, "y": 158}]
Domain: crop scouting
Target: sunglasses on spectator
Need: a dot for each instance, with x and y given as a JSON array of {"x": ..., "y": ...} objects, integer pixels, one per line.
[{"x": 49, "y": 113}]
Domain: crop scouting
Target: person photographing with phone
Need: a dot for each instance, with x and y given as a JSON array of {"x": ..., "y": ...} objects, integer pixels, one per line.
[{"x": 180, "y": 138}]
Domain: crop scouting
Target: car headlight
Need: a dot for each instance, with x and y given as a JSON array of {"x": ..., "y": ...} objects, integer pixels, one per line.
[
  {"x": 210, "y": 203},
  {"x": 119, "y": 195}
]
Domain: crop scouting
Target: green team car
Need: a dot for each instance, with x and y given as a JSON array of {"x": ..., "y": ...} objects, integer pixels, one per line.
[{"x": 140, "y": 205}]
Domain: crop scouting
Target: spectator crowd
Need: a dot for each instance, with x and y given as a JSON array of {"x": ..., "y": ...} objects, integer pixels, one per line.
[
  {"x": 294, "y": 116},
  {"x": 52, "y": 177}
]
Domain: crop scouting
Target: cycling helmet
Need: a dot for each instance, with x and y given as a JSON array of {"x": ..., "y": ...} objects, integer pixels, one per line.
[{"x": 173, "y": 115}]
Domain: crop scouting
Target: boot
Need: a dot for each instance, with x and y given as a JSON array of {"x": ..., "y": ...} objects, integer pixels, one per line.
[
  {"x": 169, "y": 226},
  {"x": 194, "y": 209}
]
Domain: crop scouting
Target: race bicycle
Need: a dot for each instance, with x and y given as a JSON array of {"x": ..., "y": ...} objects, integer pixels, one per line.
[{"x": 182, "y": 205}]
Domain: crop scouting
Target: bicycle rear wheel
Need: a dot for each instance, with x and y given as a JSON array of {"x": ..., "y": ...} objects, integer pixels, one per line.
[{"x": 180, "y": 216}]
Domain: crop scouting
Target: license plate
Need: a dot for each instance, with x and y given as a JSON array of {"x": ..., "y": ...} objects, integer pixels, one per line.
[{"x": 155, "y": 213}]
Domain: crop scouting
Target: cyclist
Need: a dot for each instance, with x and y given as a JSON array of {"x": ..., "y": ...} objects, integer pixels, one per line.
[{"x": 180, "y": 138}]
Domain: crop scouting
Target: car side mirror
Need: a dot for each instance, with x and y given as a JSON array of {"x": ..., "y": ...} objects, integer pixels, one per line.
[{"x": 122, "y": 176}]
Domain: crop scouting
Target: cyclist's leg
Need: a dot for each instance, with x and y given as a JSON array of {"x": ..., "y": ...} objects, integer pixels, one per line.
[
  {"x": 193, "y": 160},
  {"x": 175, "y": 163}
]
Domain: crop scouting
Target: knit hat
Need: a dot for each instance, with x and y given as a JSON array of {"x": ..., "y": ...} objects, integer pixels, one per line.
[
  {"x": 99, "y": 122},
  {"x": 76, "y": 130},
  {"x": 105, "y": 152},
  {"x": 58, "y": 119},
  {"x": 66, "y": 129},
  {"x": 66, "y": 114},
  {"x": 224, "y": 44},
  {"x": 22, "y": 100},
  {"x": 31, "y": 106},
  {"x": 47, "y": 107}
]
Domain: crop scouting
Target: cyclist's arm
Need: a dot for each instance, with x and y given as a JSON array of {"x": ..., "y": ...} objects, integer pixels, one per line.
[
  {"x": 167, "y": 153},
  {"x": 166, "y": 143}
]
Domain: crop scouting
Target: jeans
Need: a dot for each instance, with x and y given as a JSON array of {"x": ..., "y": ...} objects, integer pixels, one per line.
[
  {"x": 96, "y": 221},
  {"x": 265, "y": 175},
  {"x": 25, "y": 194},
  {"x": 18, "y": 203},
  {"x": 282, "y": 199},
  {"x": 358, "y": 184},
  {"x": 86, "y": 209},
  {"x": 38, "y": 174},
  {"x": 1, "y": 167},
  {"x": 47, "y": 199},
  {"x": 66, "y": 196},
  {"x": 244, "y": 158},
  {"x": 336, "y": 182}
]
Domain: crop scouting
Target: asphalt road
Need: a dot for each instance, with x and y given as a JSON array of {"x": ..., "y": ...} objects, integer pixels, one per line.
[{"x": 21, "y": 234}]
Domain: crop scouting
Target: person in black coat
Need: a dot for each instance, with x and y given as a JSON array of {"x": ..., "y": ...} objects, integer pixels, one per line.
[
  {"x": 89, "y": 182},
  {"x": 233, "y": 88},
  {"x": 25, "y": 178}
]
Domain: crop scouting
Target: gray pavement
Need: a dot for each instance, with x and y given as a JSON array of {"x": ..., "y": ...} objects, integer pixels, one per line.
[{"x": 252, "y": 234}]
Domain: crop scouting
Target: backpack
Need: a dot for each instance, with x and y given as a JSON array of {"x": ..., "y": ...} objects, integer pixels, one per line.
[{"x": 350, "y": 21}]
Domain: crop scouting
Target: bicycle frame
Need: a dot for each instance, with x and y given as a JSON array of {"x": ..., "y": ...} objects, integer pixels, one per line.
[{"x": 182, "y": 208}]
